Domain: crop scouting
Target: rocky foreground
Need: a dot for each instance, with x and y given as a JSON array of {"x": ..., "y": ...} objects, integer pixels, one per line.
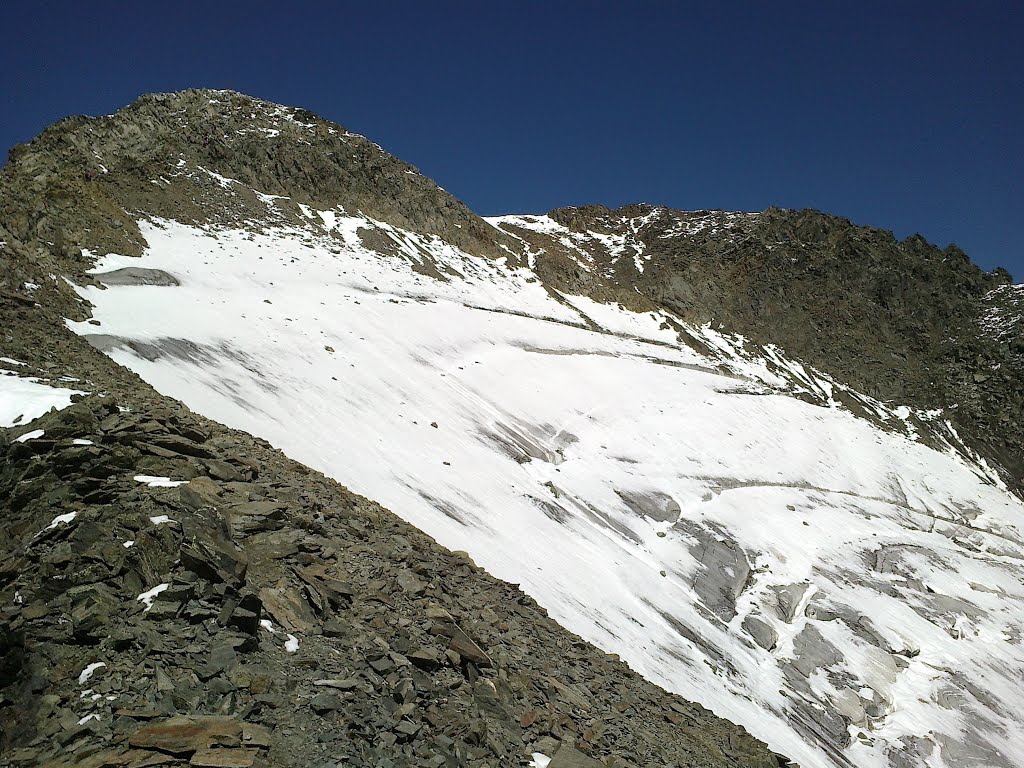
[{"x": 260, "y": 614}]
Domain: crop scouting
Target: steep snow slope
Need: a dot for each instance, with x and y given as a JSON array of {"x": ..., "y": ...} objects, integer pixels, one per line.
[{"x": 848, "y": 594}]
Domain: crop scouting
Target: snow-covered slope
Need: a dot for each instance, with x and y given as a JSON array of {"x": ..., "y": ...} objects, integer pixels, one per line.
[{"x": 848, "y": 594}]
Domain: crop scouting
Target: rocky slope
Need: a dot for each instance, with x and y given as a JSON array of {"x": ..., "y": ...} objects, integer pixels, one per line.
[{"x": 843, "y": 622}]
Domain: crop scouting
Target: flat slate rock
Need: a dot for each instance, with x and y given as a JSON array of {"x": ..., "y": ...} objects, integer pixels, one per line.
[
  {"x": 568, "y": 756},
  {"x": 183, "y": 735},
  {"x": 137, "y": 276}
]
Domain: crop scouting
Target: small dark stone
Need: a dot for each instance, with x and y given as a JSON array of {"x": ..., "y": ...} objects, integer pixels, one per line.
[{"x": 326, "y": 702}]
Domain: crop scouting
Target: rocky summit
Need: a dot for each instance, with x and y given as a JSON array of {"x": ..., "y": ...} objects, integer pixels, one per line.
[{"x": 306, "y": 464}]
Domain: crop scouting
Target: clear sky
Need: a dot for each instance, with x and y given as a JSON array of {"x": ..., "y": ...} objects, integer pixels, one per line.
[{"x": 902, "y": 115}]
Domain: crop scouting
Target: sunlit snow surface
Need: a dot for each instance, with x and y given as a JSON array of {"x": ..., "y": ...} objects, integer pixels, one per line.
[
  {"x": 24, "y": 398},
  {"x": 661, "y": 506}
]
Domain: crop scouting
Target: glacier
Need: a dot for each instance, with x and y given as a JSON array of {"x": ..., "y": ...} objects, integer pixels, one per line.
[{"x": 849, "y": 589}]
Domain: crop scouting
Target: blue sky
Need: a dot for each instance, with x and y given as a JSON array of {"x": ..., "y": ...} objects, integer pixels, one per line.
[{"x": 901, "y": 115}]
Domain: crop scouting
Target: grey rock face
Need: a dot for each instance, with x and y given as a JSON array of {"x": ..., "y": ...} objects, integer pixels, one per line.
[
  {"x": 724, "y": 568},
  {"x": 764, "y": 634},
  {"x": 789, "y": 599},
  {"x": 136, "y": 276}
]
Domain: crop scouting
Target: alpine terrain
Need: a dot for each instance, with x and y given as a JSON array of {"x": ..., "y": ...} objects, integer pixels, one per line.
[{"x": 767, "y": 463}]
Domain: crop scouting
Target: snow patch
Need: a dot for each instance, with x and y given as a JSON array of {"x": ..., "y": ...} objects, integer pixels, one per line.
[
  {"x": 89, "y": 670},
  {"x": 23, "y": 399},
  {"x": 64, "y": 519},
  {"x": 151, "y": 595},
  {"x": 159, "y": 482}
]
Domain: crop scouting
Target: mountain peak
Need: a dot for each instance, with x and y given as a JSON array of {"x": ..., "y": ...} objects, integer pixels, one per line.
[{"x": 177, "y": 154}]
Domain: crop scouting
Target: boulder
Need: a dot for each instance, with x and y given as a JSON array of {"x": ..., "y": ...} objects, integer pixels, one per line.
[
  {"x": 252, "y": 516},
  {"x": 568, "y": 756},
  {"x": 184, "y": 735},
  {"x": 761, "y": 631},
  {"x": 463, "y": 645},
  {"x": 325, "y": 702},
  {"x": 224, "y": 758},
  {"x": 136, "y": 276}
]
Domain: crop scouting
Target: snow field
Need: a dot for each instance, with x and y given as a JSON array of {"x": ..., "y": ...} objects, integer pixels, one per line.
[{"x": 649, "y": 501}]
